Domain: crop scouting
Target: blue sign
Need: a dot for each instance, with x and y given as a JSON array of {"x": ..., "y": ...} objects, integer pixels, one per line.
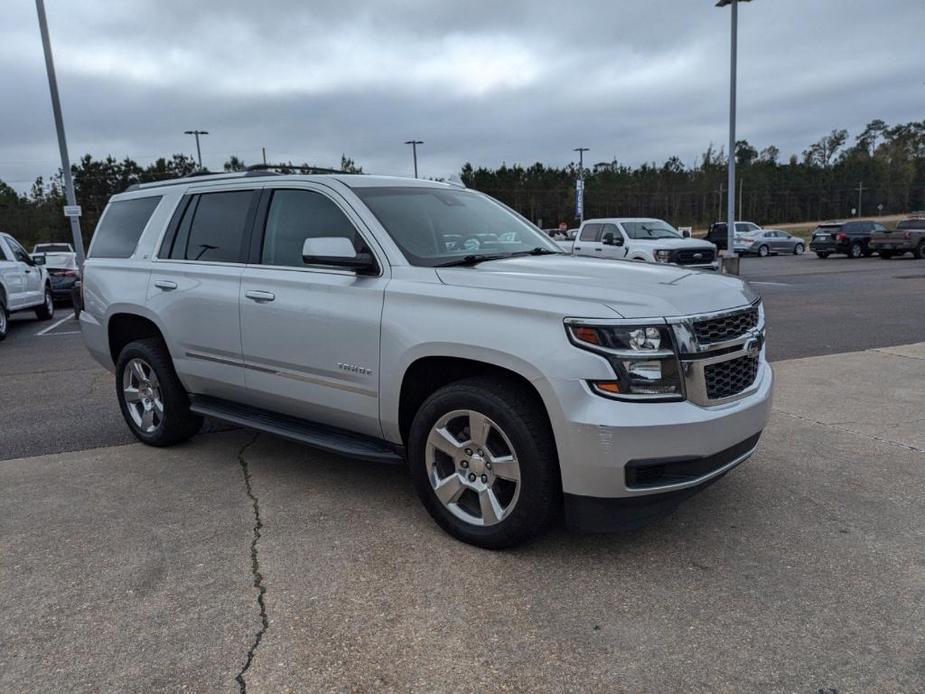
[{"x": 580, "y": 199}]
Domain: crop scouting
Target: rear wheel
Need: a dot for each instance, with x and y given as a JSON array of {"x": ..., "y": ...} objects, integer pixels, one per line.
[
  {"x": 919, "y": 251},
  {"x": 4, "y": 325},
  {"x": 484, "y": 464},
  {"x": 152, "y": 399},
  {"x": 856, "y": 250},
  {"x": 798, "y": 249},
  {"x": 47, "y": 310},
  {"x": 763, "y": 251}
]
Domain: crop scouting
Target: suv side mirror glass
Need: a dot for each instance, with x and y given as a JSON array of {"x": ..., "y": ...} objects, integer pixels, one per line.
[{"x": 335, "y": 250}]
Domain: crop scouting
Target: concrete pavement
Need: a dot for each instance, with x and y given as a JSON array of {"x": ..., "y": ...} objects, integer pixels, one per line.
[{"x": 130, "y": 568}]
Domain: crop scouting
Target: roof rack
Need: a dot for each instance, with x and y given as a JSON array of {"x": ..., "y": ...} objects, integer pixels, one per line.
[
  {"x": 249, "y": 172},
  {"x": 255, "y": 169}
]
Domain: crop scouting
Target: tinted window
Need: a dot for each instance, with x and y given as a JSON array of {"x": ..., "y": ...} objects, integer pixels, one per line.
[
  {"x": 19, "y": 253},
  {"x": 118, "y": 232},
  {"x": 591, "y": 232},
  {"x": 296, "y": 215},
  {"x": 3, "y": 253},
  {"x": 612, "y": 230},
  {"x": 213, "y": 227}
]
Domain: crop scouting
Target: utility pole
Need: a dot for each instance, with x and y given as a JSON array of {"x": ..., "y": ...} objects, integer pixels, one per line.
[
  {"x": 860, "y": 190},
  {"x": 414, "y": 153},
  {"x": 197, "y": 133},
  {"x": 72, "y": 211},
  {"x": 580, "y": 185}
]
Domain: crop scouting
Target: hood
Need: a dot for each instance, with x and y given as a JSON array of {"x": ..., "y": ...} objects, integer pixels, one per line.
[{"x": 631, "y": 289}]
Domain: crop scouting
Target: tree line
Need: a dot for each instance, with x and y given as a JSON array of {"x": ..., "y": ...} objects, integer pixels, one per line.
[{"x": 887, "y": 162}]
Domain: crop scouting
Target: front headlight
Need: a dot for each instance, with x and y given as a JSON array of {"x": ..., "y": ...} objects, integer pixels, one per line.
[
  {"x": 643, "y": 359},
  {"x": 662, "y": 256}
]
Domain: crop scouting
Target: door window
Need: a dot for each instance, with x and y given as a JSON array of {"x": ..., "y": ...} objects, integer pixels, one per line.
[
  {"x": 611, "y": 235},
  {"x": 297, "y": 215},
  {"x": 19, "y": 253},
  {"x": 213, "y": 228},
  {"x": 591, "y": 232},
  {"x": 2, "y": 253}
]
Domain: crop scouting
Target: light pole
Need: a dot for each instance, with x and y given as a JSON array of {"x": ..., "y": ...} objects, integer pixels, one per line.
[
  {"x": 197, "y": 133},
  {"x": 414, "y": 153},
  {"x": 72, "y": 211},
  {"x": 732, "y": 266},
  {"x": 580, "y": 185}
]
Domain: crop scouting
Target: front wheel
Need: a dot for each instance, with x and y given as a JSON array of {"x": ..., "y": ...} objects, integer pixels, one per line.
[
  {"x": 4, "y": 325},
  {"x": 855, "y": 251},
  {"x": 763, "y": 251},
  {"x": 798, "y": 249},
  {"x": 919, "y": 251},
  {"x": 47, "y": 310},
  {"x": 152, "y": 399},
  {"x": 484, "y": 463}
]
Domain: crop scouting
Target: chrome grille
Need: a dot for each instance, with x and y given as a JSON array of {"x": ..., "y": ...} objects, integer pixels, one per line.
[
  {"x": 727, "y": 327},
  {"x": 728, "y": 378}
]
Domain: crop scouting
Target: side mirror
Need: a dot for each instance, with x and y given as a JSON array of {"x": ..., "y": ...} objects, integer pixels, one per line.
[
  {"x": 38, "y": 260},
  {"x": 337, "y": 251}
]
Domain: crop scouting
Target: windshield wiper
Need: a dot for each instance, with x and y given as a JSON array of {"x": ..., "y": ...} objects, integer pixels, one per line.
[
  {"x": 538, "y": 251},
  {"x": 471, "y": 260}
]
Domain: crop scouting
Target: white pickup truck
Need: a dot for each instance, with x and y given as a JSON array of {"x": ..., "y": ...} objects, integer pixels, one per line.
[
  {"x": 24, "y": 283},
  {"x": 644, "y": 239}
]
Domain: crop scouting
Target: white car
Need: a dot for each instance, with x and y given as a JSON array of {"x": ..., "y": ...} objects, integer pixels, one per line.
[
  {"x": 24, "y": 283},
  {"x": 644, "y": 239},
  {"x": 52, "y": 248}
]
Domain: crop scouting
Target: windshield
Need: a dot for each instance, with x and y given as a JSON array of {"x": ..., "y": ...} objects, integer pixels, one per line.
[
  {"x": 434, "y": 226},
  {"x": 652, "y": 229}
]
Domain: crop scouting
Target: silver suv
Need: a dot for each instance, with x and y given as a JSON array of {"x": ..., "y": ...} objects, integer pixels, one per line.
[{"x": 402, "y": 320}]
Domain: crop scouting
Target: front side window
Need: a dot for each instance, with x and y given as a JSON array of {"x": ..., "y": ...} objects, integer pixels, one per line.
[
  {"x": 213, "y": 228},
  {"x": 19, "y": 253},
  {"x": 652, "y": 229},
  {"x": 121, "y": 226},
  {"x": 435, "y": 226},
  {"x": 2, "y": 253},
  {"x": 297, "y": 215}
]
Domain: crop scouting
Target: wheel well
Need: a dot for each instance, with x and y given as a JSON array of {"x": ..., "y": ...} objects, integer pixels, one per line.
[
  {"x": 429, "y": 374},
  {"x": 128, "y": 327}
]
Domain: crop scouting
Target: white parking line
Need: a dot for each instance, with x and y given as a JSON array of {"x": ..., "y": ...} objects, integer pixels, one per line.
[{"x": 54, "y": 325}]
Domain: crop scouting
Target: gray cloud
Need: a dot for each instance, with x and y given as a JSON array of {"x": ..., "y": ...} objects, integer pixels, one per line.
[{"x": 486, "y": 82}]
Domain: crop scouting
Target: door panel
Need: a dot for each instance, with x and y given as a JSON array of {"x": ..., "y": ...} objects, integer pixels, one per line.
[
  {"x": 312, "y": 350},
  {"x": 609, "y": 251},
  {"x": 31, "y": 290}
]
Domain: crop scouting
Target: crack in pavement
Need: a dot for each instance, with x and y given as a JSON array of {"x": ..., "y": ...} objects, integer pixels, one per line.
[
  {"x": 255, "y": 566},
  {"x": 835, "y": 426}
]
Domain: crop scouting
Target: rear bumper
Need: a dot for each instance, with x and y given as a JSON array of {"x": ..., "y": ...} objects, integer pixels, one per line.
[{"x": 828, "y": 247}]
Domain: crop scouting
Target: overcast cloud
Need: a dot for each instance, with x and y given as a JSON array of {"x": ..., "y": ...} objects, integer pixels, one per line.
[{"x": 508, "y": 80}]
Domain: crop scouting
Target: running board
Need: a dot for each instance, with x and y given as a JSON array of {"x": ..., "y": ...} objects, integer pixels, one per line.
[{"x": 315, "y": 435}]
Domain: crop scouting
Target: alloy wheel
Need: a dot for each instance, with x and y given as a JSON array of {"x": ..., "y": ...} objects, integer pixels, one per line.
[
  {"x": 142, "y": 392},
  {"x": 472, "y": 467}
]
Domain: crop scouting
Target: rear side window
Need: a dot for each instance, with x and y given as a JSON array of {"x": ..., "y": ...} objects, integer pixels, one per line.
[
  {"x": 591, "y": 232},
  {"x": 911, "y": 224},
  {"x": 118, "y": 232},
  {"x": 296, "y": 215},
  {"x": 213, "y": 228}
]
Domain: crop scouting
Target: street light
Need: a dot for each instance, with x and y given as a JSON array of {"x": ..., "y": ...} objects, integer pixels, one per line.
[
  {"x": 414, "y": 153},
  {"x": 197, "y": 133},
  {"x": 580, "y": 185},
  {"x": 732, "y": 266}
]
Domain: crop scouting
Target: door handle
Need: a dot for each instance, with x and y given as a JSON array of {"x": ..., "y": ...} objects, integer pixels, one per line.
[
  {"x": 599, "y": 249},
  {"x": 166, "y": 285},
  {"x": 259, "y": 295},
  {"x": 577, "y": 248}
]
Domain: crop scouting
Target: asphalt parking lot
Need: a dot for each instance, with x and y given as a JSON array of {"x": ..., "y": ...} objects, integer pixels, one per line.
[{"x": 134, "y": 569}]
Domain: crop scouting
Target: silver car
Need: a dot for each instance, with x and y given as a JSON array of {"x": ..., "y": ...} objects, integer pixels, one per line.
[
  {"x": 410, "y": 321},
  {"x": 765, "y": 242}
]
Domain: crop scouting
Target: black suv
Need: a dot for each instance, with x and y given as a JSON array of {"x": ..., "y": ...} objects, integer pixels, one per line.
[
  {"x": 717, "y": 233},
  {"x": 848, "y": 238}
]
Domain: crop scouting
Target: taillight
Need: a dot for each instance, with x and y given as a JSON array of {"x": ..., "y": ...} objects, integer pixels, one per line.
[
  {"x": 842, "y": 236},
  {"x": 907, "y": 236}
]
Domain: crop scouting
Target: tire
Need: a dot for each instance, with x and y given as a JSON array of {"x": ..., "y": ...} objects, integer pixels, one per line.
[
  {"x": 4, "y": 319},
  {"x": 856, "y": 250},
  {"x": 799, "y": 249},
  {"x": 47, "y": 310},
  {"x": 156, "y": 382},
  {"x": 919, "y": 251},
  {"x": 822, "y": 255},
  {"x": 527, "y": 493},
  {"x": 763, "y": 251},
  {"x": 886, "y": 255}
]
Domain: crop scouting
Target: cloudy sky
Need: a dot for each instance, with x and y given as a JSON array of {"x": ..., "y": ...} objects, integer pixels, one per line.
[{"x": 481, "y": 81}]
